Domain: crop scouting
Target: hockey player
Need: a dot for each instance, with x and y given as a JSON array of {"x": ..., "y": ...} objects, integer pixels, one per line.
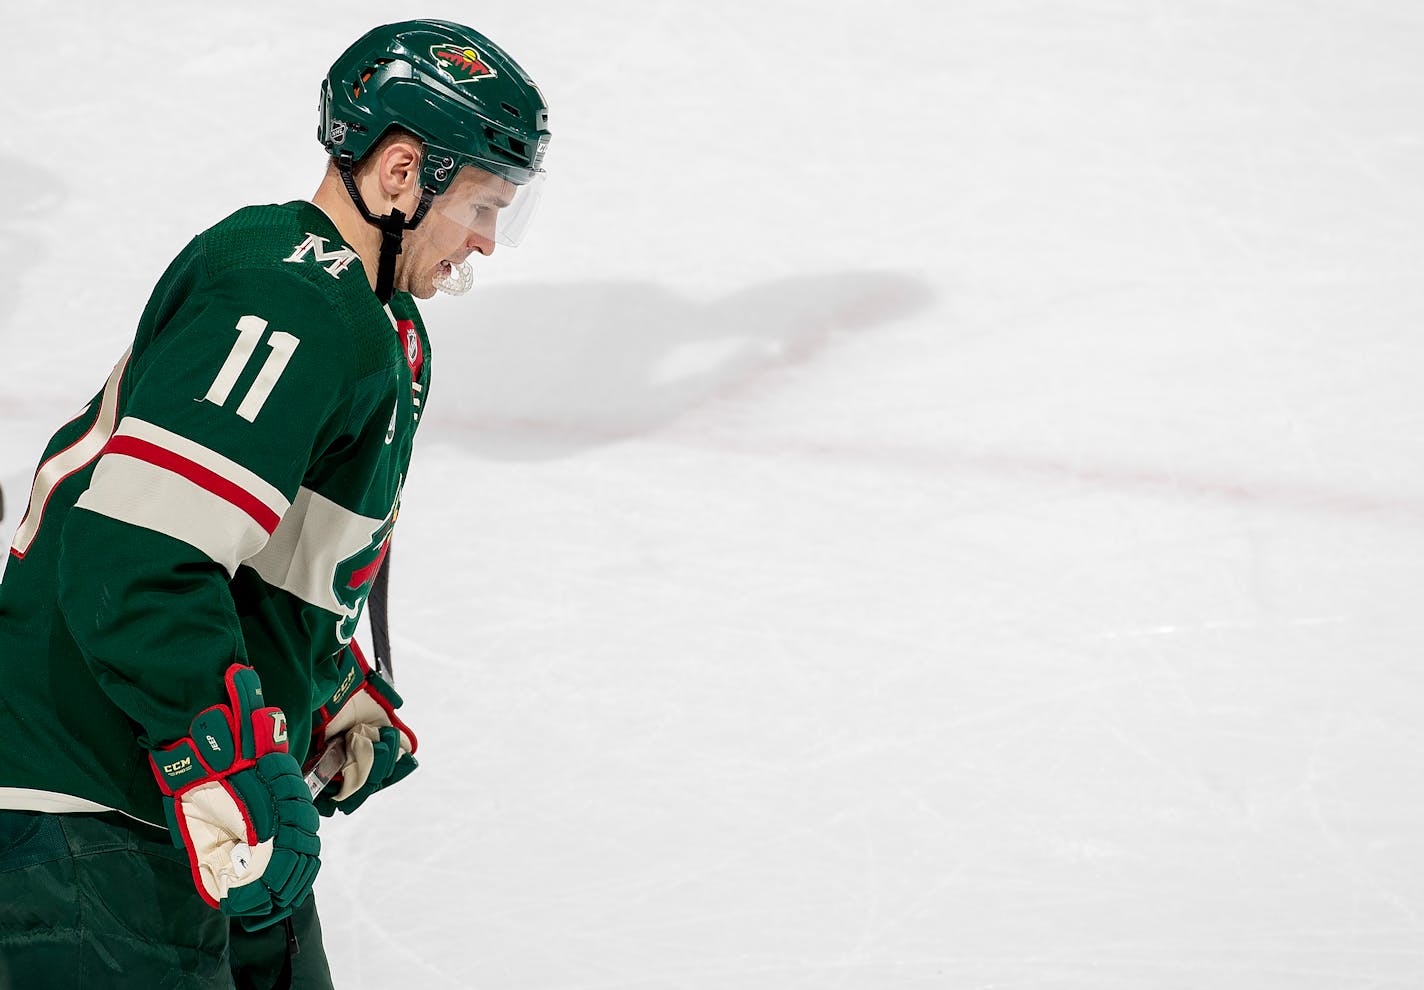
[{"x": 177, "y": 614}]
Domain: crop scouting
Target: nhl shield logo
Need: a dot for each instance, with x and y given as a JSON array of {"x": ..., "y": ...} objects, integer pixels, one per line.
[
  {"x": 414, "y": 353},
  {"x": 462, "y": 65}
]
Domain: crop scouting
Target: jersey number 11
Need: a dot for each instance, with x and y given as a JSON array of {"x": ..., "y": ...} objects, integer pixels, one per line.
[{"x": 249, "y": 333}]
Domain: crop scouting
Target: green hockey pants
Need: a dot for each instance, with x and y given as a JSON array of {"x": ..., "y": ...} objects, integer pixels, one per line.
[{"x": 94, "y": 902}]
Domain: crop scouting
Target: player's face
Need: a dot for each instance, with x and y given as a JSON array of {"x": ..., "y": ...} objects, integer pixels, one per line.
[{"x": 460, "y": 222}]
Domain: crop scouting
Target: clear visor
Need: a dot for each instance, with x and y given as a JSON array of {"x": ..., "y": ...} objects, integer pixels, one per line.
[{"x": 490, "y": 207}]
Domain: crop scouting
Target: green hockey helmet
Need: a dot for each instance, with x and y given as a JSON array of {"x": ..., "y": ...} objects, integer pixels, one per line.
[
  {"x": 447, "y": 84},
  {"x": 461, "y": 94}
]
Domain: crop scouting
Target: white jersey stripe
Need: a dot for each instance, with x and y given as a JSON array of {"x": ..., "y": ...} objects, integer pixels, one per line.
[
  {"x": 71, "y": 459},
  {"x": 310, "y": 543},
  {"x": 141, "y": 493},
  {"x": 51, "y": 802},
  {"x": 222, "y": 466}
]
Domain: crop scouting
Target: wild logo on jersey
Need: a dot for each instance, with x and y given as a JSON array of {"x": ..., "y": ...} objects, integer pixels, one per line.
[{"x": 356, "y": 574}]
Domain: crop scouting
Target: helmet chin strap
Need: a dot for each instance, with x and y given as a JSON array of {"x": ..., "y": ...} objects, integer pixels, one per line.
[{"x": 392, "y": 226}]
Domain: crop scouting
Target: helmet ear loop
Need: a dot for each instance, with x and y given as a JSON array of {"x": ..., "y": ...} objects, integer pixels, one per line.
[{"x": 392, "y": 226}]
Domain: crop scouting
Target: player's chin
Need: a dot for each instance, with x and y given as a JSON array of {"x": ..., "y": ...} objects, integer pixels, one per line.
[{"x": 424, "y": 287}]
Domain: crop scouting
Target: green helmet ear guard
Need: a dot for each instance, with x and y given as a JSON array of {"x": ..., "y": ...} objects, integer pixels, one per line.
[{"x": 445, "y": 83}]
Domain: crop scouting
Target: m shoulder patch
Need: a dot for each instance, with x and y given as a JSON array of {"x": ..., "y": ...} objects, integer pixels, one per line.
[{"x": 335, "y": 262}]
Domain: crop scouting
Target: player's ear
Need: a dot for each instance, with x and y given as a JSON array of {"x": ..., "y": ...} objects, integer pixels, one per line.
[{"x": 400, "y": 169}]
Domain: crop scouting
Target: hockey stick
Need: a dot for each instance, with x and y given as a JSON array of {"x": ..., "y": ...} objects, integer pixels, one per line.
[
  {"x": 379, "y": 617},
  {"x": 332, "y": 759}
]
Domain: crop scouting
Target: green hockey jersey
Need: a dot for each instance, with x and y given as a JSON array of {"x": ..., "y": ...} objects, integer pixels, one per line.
[{"x": 226, "y": 497}]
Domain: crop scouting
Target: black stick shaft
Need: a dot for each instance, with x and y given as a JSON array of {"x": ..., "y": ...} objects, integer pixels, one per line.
[{"x": 377, "y": 612}]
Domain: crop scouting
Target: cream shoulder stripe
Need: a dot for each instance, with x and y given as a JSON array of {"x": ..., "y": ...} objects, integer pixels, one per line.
[{"x": 70, "y": 459}]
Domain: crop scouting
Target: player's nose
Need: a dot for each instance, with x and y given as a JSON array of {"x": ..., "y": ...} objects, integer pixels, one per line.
[{"x": 479, "y": 242}]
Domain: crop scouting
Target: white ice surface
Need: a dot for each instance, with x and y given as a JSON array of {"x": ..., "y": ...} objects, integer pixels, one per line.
[{"x": 937, "y": 502}]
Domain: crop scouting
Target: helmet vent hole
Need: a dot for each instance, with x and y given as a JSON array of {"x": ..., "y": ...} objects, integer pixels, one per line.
[
  {"x": 512, "y": 111},
  {"x": 506, "y": 147},
  {"x": 366, "y": 75}
]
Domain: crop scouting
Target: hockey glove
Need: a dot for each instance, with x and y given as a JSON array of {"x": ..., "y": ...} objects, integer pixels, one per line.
[
  {"x": 379, "y": 746},
  {"x": 237, "y": 803}
]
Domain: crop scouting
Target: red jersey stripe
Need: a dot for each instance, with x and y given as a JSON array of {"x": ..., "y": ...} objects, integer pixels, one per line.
[{"x": 204, "y": 478}]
